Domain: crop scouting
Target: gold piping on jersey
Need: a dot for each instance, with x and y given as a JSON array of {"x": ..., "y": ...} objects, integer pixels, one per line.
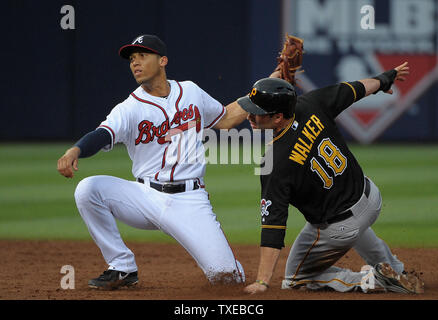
[
  {"x": 352, "y": 88},
  {"x": 306, "y": 255},
  {"x": 283, "y": 132},
  {"x": 265, "y": 226}
]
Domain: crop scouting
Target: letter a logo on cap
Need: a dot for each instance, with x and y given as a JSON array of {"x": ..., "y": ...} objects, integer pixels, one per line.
[{"x": 139, "y": 40}]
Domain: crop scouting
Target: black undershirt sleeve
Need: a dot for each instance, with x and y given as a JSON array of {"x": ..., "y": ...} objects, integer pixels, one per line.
[
  {"x": 92, "y": 142},
  {"x": 275, "y": 195}
]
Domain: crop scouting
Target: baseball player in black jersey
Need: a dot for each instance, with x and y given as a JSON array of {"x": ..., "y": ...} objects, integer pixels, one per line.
[{"x": 314, "y": 170}]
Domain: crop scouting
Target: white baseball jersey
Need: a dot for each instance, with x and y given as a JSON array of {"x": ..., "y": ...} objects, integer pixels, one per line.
[
  {"x": 164, "y": 141},
  {"x": 164, "y": 135}
]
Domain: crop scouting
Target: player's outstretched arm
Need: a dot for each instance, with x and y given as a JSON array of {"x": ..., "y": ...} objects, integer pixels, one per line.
[
  {"x": 87, "y": 146},
  {"x": 268, "y": 261},
  {"x": 234, "y": 116},
  {"x": 69, "y": 162},
  {"x": 384, "y": 81}
]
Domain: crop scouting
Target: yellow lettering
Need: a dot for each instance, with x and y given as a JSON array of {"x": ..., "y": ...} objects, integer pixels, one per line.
[
  {"x": 308, "y": 135},
  {"x": 334, "y": 158},
  {"x": 308, "y": 124},
  {"x": 301, "y": 149},
  {"x": 317, "y": 122},
  {"x": 295, "y": 156},
  {"x": 305, "y": 144},
  {"x": 316, "y": 167}
]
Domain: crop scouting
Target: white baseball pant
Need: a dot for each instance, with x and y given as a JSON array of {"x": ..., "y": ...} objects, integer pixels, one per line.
[{"x": 186, "y": 216}]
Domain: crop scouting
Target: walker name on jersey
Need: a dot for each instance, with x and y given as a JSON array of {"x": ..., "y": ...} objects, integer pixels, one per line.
[
  {"x": 309, "y": 133},
  {"x": 148, "y": 131}
]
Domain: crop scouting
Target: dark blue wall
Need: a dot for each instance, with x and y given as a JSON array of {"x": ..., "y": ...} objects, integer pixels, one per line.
[{"x": 60, "y": 84}]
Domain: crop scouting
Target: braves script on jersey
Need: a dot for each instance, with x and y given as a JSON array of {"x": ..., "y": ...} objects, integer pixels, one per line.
[{"x": 164, "y": 135}]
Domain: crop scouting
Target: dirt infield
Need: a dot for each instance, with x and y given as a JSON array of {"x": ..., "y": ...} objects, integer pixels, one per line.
[{"x": 167, "y": 272}]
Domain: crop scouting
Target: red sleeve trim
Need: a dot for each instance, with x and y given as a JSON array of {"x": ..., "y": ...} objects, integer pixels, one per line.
[
  {"x": 215, "y": 120},
  {"x": 113, "y": 136}
]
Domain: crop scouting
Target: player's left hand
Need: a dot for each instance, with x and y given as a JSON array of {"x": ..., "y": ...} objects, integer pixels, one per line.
[
  {"x": 255, "y": 288},
  {"x": 68, "y": 163},
  {"x": 402, "y": 72}
]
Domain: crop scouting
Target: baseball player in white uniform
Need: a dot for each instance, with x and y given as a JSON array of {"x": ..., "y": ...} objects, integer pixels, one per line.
[{"x": 161, "y": 124}]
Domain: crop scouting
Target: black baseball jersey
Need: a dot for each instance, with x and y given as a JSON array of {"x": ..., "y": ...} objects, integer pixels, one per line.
[{"x": 313, "y": 168}]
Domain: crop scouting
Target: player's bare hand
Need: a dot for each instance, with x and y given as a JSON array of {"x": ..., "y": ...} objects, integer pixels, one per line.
[
  {"x": 402, "y": 72},
  {"x": 68, "y": 163},
  {"x": 255, "y": 288}
]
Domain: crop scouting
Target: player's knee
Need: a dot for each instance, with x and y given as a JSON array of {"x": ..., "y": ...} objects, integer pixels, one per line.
[
  {"x": 87, "y": 189},
  {"x": 222, "y": 275}
]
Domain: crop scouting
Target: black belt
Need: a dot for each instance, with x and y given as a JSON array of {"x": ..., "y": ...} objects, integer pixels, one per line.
[
  {"x": 347, "y": 214},
  {"x": 169, "y": 187}
]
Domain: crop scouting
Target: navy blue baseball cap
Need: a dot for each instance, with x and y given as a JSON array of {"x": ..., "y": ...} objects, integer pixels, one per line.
[{"x": 146, "y": 43}]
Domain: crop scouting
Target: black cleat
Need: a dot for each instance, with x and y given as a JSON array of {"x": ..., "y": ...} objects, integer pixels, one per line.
[{"x": 113, "y": 279}]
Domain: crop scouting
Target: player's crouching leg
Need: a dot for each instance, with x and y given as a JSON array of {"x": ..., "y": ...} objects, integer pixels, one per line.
[
  {"x": 90, "y": 194},
  {"x": 87, "y": 191}
]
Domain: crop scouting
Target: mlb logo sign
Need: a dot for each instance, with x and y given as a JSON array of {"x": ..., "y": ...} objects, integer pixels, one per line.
[
  {"x": 367, "y": 119},
  {"x": 338, "y": 49}
]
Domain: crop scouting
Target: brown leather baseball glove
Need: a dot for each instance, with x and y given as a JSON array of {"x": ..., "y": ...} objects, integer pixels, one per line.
[{"x": 290, "y": 59}]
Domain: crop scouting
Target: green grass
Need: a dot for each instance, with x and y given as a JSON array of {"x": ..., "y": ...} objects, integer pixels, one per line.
[{"x": 37, "y": 203}]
